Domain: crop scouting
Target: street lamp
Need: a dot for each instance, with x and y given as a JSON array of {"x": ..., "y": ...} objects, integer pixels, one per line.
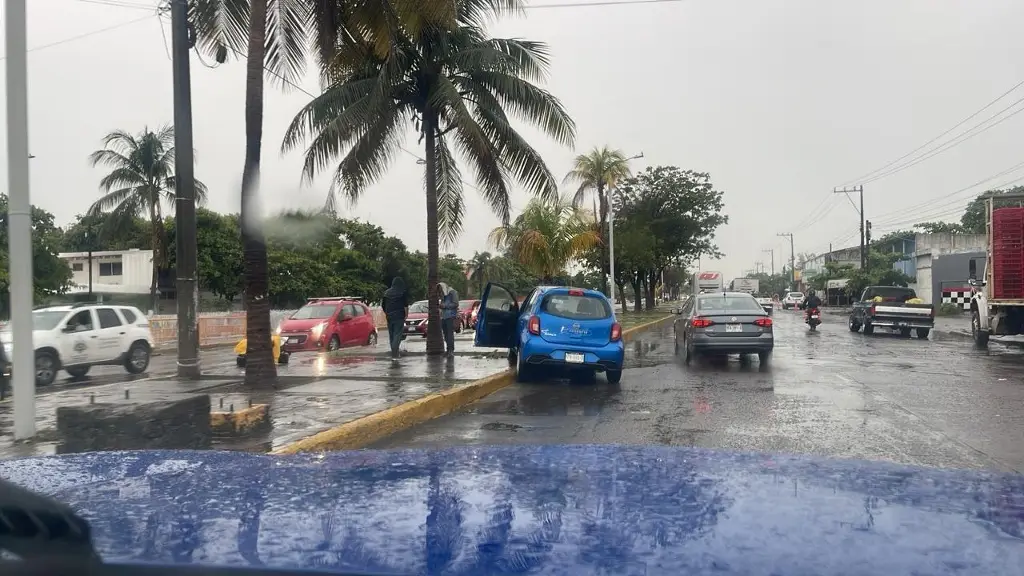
[{"x": 611, "y": 237}]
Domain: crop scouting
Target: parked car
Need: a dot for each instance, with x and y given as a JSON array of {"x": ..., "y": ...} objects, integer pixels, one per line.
[
  {"x": 767, "y": 304},
  {"x": 468, "y": 312},
  {"x": 793, "y": 300},
  {"x": 724, "y": 323},
  {"x": 328, "y": 324},
  {"x": 416, "y": 321},
  {"x": 555, "y": 329},
  {"x": 888, "y": 307},
  {"x": 76, "y": 338}
]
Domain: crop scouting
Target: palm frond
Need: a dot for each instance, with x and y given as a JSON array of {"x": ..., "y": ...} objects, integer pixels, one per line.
[
  {"x": 287, "y": 39},
  {"x": 450, "y": 207},
  {"x": 221, "y": 27}
]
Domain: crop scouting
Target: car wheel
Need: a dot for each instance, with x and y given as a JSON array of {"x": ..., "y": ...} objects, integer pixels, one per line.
[
  {"x": 372, "y": 340},
  {"x": 333, "y": 344},
  {"x": 922, "y": 333},
  {"x": 905, "y": 332},
  {"x": 869, "y": 329},
  {"x": 854, "y": 326},
  {"x": 688, "y": 353},
  {"x": 980, "y": 336},
  {"x": 524, "y": 372},
  {"x": 240, "y": 361},
  {"x": 46, "y": 368},
  {"x": 283, "y": 358},
  {"x": 137, "y": 359},
  {"x": 764, "y": 357},
  {"x": 675, "y": 346},
  {"x": 614, "y": 376},
  {"x": 78, "y": 371}
]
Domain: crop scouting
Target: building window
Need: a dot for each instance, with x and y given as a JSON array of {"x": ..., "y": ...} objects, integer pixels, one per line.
[
  {"x": 110, "y": 268},
  {"x": 77, "y": 267}
]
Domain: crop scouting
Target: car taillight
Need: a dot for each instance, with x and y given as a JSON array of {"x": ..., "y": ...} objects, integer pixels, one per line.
[
  {"x": 764, "y": 322},
  {"x": 616, "y": 332},
  {"x": 575, "y": 292},
  {"x": 701, "y": 323},
  {"x": 534, "y": 325}
]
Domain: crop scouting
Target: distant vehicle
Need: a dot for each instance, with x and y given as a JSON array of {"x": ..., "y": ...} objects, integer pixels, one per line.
[
  {"x": 76, "y": 338},
  {"x": 723, "y": 323},
  {"x": 707, "y": 281},
  {"x": 555, "y": 329},
  {"x": 997, "y": 303},
  {"x": 767, "y": 304},
  {"x": 887, "y": 307},
  {"x": 748, "y": 285},
  {"x": 793, "y": 300},
  {"x": 327, "y": 324},
  {"x": 416, "y": 321},
  {"x": 467, "y": 313}
]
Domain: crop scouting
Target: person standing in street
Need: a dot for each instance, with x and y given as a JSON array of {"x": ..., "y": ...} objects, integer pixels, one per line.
[
  {"x": 449, "y": 304},
  {"x": 396, "y": 308}
]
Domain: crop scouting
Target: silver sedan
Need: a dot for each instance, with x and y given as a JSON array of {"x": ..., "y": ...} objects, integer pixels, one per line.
[{"x": 723, "y": 323}]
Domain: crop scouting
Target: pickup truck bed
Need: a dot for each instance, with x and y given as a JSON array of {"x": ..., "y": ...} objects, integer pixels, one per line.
[{"x": 892, "y": 313}]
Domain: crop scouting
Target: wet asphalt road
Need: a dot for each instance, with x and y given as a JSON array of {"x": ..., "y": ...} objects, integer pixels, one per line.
[{"x": 936, "y": 402}]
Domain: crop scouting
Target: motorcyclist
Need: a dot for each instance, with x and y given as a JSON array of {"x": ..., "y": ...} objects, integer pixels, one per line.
[{"x": 811, "y": 302}]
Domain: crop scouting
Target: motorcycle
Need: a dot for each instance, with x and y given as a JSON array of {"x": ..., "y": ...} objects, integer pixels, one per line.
[{"x": 813, "y": 318}]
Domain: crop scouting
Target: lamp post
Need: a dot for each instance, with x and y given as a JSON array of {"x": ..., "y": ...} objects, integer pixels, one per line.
[{"x": 611, "y": 237}]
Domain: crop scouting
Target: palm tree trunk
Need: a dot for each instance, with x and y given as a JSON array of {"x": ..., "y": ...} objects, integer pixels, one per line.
[
  {"x": 260, "y": 369},
  {"x": 603, "y": 219},
  {"x": 154, "y": 223},
  {"x": 435, "y": 345}
]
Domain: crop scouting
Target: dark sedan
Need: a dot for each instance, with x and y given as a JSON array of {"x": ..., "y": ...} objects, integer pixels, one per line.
[{"x": 723, "y": 323}]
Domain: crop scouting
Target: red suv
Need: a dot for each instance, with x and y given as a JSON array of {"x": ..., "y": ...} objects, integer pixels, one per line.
[{"x": 328, "y": 324}]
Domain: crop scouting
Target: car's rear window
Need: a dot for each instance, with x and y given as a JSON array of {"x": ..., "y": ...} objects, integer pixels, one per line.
[
  {"x": 796, "y": 294},
  {"x": 576, "y": 307},
  {"x": 728, "y": 305}
]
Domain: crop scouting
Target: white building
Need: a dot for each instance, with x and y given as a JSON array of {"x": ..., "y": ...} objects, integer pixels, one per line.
[{"x": 113, "y": 271}]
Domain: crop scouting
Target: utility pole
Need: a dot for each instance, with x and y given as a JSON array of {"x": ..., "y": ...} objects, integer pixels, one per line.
[
  {"x": 19, "y": 214},
  {"x": 182, "y": 40},
  {"x": 611, "y": 238},
  {"x": 772, "y": 252},
  {"x": 860, "y": 212},
  {"x": 89, "y": 241},
  {"x": 792, "y": 258}
]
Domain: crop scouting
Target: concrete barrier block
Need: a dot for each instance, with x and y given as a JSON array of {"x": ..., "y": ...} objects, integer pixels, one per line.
[
  {"x": 255, "y": 418},
  {"x": 171, "y": 424}
]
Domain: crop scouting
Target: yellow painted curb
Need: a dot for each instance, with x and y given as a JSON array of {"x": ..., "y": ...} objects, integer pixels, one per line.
[
  {"x": 241, "y": 421},
  {"x": 364, "y": 431}
]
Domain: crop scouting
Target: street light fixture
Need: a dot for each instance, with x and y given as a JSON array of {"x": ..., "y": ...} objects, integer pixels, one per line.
[{"x": 611, "y": 237}]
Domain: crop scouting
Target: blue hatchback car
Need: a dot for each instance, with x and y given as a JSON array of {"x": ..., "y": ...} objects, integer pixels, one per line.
[{"x": 555, "y": 328}]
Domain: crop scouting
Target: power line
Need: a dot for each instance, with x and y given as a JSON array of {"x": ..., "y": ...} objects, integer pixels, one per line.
[
  {"x": 601, "y": 3},
  {"x": 121, "y": 4},
  {"x": 85, "y": 35}
]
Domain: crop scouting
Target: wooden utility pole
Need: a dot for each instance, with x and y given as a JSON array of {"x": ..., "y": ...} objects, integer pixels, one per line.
[{"x": 792, "y": 259}]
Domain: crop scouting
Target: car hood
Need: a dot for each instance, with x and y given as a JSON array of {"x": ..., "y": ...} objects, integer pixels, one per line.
[
  {"x": 546, "y": 509},
  {"x": 297, "y": 325}
]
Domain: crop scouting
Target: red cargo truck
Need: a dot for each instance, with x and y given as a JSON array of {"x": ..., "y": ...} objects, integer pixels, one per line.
[{"x": 997, "y": 301}]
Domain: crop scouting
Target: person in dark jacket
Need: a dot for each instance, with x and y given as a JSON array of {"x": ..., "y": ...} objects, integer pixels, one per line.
[
  {"x": 396, "y": 308},
  {"x": 811, "y": 302}
]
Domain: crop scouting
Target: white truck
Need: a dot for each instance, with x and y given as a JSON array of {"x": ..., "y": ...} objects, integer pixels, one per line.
[
  {"x": 997, "y": 304},
  {"x": 707, "y": 281},
  {"x": 748, "y": 285}
]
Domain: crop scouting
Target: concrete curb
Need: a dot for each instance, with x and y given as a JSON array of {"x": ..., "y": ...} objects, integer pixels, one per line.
[{"x": 364, "y": 431}]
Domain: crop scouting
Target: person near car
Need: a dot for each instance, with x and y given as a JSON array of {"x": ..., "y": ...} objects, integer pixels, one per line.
[
  {"x": 396, "y": 308},
  {"x": 811, "y": 302},
  {"x": 449, "y": 304}
]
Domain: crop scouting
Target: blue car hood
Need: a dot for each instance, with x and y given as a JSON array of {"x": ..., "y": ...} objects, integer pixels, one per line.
[{"x": 539, "y": 509}]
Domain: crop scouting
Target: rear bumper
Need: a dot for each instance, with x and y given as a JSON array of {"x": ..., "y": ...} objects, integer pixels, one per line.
[
  {"x": 608, "y": 357},
  {"x": 733, "y": 344},
  {"x": 901, "y": 323}
]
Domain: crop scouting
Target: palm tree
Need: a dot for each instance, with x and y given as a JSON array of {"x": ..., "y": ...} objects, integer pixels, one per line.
[
  {"x": 547, "y": 236},
  {"x": 140, "y": 182},
  {"x": 458, "y": 87},
  {"x": 597, "y": 172},
  {"x": 273, "y": 36}
]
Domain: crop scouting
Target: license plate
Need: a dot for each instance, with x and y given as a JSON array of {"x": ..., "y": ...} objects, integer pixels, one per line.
[
  {"x": 815, "y": 317},
  {"x": 734, "y": 328},
  {"x": 410, "y": 328},
  {"x": 574, "y": 357},
  {"x": 293, "y": 341}
]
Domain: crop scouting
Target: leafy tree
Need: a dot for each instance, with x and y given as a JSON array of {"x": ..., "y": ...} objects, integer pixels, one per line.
[
  {"x": 597, "y": 173},
  {"x": 547, "y": 236},
  {"x": 50, "y": 274},
  {"x": 880, "y": 272},
  {"x": 892, "y": 238},
  {"x": 940, "y": 227},
  {"x": 100, "y": 232},
  {"x": 459, "y": 87},
  {"x": 975, "y": 217},
  {"x": 139, "y": 184}
]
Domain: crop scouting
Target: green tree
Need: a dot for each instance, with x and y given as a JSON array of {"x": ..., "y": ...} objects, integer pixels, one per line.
[
  {"x": 139, "y": 184},
  {"x": 975, "y": 217},
  {"x": 879, "y": 272},
  {"x": 597, "y": 173},
  {"x": 940, "y": 227},
  {"x": 50, "y": 274},
  {"x": 100, "y": 232},
  {"x": 547, "y": 236},
  {"x": 460, "y": 88}
]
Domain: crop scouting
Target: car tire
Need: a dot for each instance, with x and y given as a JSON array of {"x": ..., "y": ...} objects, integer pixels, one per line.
[
  {"x": 614, "y": 376},
  {"x": 922, "y": 333},
  {"x": 854, "y": 326},
  {"x": 764, "y": 357},
  {"x": 675, "y": 346},
  {"x": 869, "y": 329},
  {"x": 47, "y": 366},
  {"x": 137, "y": 359},
  {"x": 77, "y": 372},
  {"x": 688, "y": 353},
  {"x": 904, "y": 332},
  {"x": 524, "y": 372},
  {"x": 372, "y": 340},
  {"x": 333, "y": 344},
  {"x": 240, "y": 361},
  {"x": 283, "y": 358},
  {"x": 980, "y": 336}
]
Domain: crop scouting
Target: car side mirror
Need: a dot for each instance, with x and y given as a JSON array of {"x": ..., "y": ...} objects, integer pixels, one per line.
[{"x": 68, "y": 329}]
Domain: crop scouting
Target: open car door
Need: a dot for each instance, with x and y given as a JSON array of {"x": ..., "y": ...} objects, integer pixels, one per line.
[{"x": 496, "y": 321}]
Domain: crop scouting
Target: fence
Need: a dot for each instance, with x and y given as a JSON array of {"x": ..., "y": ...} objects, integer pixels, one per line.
[{"x": 223, "y": 327}]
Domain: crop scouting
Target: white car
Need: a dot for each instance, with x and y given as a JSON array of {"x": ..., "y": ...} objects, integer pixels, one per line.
[
  {"x": 767, "y": 304},
  {"x": 792, "y": 300},
  {"x": 76, "y": 338}
]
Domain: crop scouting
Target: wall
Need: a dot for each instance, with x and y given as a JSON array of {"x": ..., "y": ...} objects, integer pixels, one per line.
[
  {"x": 950, "y": 243},
  {"x": 222, "y": 327},
  {"x": 136, "y": 271}
]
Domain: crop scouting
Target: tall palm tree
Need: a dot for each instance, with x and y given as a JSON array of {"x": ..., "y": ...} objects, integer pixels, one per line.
[
  {"x": 273, "y": 36},
  {"x": 597, "y": 172},
  {"x": 547, "y": 236},
  {"x": 459, "y": 88},
  {"x": 139, "y": 184}
]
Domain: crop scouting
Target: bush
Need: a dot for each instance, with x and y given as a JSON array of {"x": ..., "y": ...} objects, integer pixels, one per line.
[{"x": 949, "y": 309}]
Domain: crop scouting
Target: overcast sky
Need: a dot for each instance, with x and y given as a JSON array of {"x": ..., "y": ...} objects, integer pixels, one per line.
[{"x": 779, "y": 100}]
